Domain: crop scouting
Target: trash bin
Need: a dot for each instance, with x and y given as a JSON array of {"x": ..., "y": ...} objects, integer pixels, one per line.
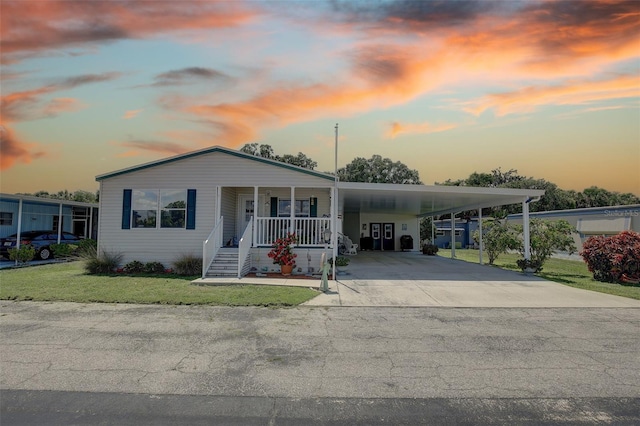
[{"x": 406, "y": 242}]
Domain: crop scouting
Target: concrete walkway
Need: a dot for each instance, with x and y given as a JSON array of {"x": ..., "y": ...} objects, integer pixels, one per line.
[{"x": 413, "y": 279}]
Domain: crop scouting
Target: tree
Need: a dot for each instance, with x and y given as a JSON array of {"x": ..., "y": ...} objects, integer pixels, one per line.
[
  {"x": 546, "y": 237},
  {"x": 266, "y": 151},
  {"x": 80, "y": 195},
  {"x": 426, "y": 224},
  {"x": 498, "y": 237},
  {"x": 378, "y": 170}
]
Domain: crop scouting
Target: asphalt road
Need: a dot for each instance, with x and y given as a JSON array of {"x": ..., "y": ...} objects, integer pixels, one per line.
[{"x": 65, "y": 363}]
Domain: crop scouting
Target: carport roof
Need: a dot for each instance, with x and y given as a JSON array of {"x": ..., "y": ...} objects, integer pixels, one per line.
[{"x": 425, "y": 200}]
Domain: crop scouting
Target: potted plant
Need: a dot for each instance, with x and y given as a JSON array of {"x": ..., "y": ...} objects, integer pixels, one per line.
[
  {"x": 341, "y": 263},
  {"x": 282, "y": 253}
]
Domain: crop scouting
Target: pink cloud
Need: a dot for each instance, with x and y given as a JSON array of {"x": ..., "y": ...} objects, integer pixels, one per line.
[
  {"x": 397, "y": 128},
  {"x": 131, "y": 114}
]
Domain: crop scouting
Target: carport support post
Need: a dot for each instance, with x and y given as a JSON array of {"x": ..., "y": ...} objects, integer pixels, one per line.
[
  {"x": 18, "y": 235},
  {"x": 525, "y": 229},
  {"x": 60, "y": 223},
  {"x": 453, "y": 235},
  {"x": 480, "y": 233}
]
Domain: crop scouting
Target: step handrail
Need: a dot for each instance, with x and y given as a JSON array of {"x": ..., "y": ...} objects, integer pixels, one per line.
[
  {"x": 244, "y": 246},
  {"x": 211, "y": 246}
]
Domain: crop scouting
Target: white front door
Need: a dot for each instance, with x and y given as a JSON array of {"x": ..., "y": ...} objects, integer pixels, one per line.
[{"x": 246, "y": 210}]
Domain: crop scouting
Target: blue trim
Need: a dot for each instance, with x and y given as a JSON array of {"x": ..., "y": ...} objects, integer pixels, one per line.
[
  {"x": 191, "y": 209},
  {"x": 126, "y": 209},
  {"x": 212, "y": 150}
]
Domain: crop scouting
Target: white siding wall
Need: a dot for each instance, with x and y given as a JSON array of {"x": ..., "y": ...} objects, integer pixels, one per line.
[
  {"x": 202, "y": 173},
  {"x": 260, "y": 260},
  {"x": 413, "y": 228},
  {"x": 228, "y": 211}
]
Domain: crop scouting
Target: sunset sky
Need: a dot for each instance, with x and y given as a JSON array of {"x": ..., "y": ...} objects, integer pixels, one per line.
[{"x": 551, "y": 89}]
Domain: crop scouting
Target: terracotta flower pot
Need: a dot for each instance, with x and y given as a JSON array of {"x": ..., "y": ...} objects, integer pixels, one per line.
[{"x": 286, "y": 269}]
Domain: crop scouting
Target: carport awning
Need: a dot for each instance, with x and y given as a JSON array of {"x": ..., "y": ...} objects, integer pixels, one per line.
[{"x": 425, "y": 200}]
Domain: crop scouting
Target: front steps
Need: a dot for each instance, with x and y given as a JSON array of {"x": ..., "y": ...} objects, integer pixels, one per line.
[{"x": 225, "y": 263}]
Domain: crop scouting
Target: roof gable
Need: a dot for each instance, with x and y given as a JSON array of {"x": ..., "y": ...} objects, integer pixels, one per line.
[{"x": 210, "y": 150}]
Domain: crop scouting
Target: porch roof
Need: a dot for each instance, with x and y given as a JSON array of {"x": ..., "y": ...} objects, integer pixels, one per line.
[{"x": 425, "y": 200}]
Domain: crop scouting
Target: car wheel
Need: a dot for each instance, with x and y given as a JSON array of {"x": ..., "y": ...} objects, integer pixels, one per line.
[{"x": 45, "y": 253}]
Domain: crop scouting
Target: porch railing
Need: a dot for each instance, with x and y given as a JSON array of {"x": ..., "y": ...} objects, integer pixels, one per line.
[
  {"x": 308, "y": 230},
  {"x": 244, "y": 246},
  {"x": 211, "y": 245}
]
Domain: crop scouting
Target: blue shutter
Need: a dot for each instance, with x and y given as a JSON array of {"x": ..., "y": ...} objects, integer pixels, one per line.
[
  {"x": 191, "y": 209},
  {"x": 126, "y": 209},
  {"x": 274, "y": 206},
  {"x": 313, "y": 209}
]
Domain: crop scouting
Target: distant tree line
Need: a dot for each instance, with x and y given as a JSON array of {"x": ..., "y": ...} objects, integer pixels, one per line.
[
  {"x": 554, "y": 198},
  {"x": 81, "y": 196}
]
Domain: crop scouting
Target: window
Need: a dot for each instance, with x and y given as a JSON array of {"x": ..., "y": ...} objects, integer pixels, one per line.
[
  {"x": 144, "y": 208},
  {"x": 174, "y": 208},
  {"x": 6, "y": 218},
  {"x": 159, "y": 208},
  {"x": 303, "y": 207}
]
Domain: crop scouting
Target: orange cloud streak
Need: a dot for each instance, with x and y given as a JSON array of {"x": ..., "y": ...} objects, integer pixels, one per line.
[
  {"x": 397, "y": 128},
  {"x": 13, "y": 150},
  {"x": 571, "y": 93}
]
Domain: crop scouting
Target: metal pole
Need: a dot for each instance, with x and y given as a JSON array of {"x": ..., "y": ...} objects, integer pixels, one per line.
[
  {"x": 334, "y": 213},
  {"x": 525, "y": 229},
  {"x": 453, "y": 235}
]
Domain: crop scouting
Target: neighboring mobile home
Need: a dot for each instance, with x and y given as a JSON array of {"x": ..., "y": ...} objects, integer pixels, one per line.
[
  {"x": 607, "y": 221},
  {"x": 22, "y": 213},
  {"x": 218, "y": 201}
]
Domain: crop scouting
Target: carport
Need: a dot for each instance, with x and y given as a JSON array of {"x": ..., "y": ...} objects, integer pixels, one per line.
[
  {"x": 355, "y": 198},
  {"x": 410, "y": 279}
]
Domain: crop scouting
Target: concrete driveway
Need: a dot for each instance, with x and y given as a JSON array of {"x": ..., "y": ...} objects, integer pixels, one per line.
[{"x": 413, "y": 279}]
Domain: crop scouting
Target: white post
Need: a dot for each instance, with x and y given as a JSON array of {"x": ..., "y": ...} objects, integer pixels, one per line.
[
  {"x": 18, "y": 236},
  {"x": 256, "y": 206},
  {"x": 525, "y": 229},
  {"x": 334, "y": 228},
  {"x": 453, "y": 235},
  {"x": 292, "y": 212},
  {"x": 433, "y": 237},
  {"x": 60, "y": 223},
  {"x": 90, "y": 222},
  {"x": 218, "y": 202},
  {"x": 480, "y": 233}
]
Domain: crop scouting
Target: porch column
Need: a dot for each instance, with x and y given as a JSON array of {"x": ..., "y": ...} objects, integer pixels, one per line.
[
  {"x": 256, "y": 206},
  {"x": 218, "y": 202},
  {"x": 60, "y": 218},
  {"x": 433, "y": 237},
  {"x": 525, "y": 229},
  {"x": 292, "y": 213},
  {"x": 334, "y": 228},
  {"x": 453, "y": 235},
  {"x": 480, "y": 232}
]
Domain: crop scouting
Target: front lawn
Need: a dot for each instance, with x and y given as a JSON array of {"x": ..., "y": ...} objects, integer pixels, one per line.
[
  {"x": 68, "y": 282},
  {"x": 569, "y": 272}
]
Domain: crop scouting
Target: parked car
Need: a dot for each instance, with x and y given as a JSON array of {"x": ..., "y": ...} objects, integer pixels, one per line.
[{"x": 40, "y": 240}]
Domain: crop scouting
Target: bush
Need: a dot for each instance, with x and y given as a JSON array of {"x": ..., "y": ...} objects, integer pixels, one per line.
[
  {"x": 430, "y": 249},
  {"x": 154, "y": 268},
  {"x": 87, "y": 248},
  {"x": 134, "y": 267},
  {"x": 340, "y": 261},
  {"x": 63, "y": 250},
  {"x": 546, "y": 237},
  {"x": 499, "y": 236},
  {"x": 105, "y": 263},
  {"x": 188, "y": 265},
  {"x": 615, "y": 258},
  {"x": 23, "y": 254}
]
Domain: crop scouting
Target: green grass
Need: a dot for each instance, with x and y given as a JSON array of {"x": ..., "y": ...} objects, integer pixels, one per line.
[
  {"x": 68, "y": 282},
  {"x": 569, "y": 272}
]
